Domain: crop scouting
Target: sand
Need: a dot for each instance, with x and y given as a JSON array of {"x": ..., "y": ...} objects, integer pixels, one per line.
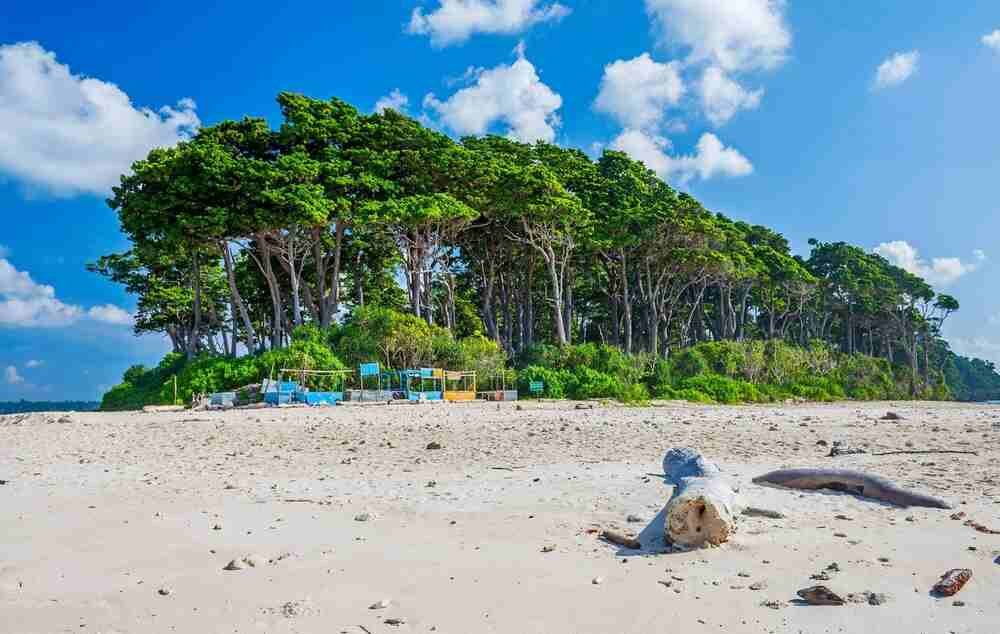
[{"x": 124, "y": 522}]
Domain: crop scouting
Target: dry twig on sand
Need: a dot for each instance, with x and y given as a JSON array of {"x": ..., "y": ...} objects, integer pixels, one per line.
[
  {"x": 621, "y": 539},
  {"x": 924, "y": 451}
]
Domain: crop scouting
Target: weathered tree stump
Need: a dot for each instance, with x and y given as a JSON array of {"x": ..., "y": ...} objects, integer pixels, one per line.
[{"x": 703, "y": 506}]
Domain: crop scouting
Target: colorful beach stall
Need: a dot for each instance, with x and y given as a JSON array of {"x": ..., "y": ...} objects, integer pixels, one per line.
[
  {"x": 424, "y": 384},
  {"x": 279, "y": 392},
  {"x": 460, "y": 386},
  {"x": 376, "y": 385},
  {"x": 330, "y": 384}
]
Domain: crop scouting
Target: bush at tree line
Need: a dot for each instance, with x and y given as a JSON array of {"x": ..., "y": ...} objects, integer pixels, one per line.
[{"x": 713, "y": 372}]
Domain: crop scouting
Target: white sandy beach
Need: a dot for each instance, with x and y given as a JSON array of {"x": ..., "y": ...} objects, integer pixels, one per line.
[{"x": 103, "y": 511}]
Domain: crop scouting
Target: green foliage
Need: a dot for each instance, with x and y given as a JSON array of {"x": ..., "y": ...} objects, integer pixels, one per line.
[
  {"x": 722, "y": 389},
  {"x": 713, "y": 372},
  {"x": 140, "y": 387},
  {"x": 867, "y": 378},
  {"x": 660, "y": 380},
  {"x": 557, "y": 383},
  {"x": 394, "y": 339},
  {"x": 972, "y": 379},
  {"x": 722, "y": 357},
  {"x": 245, "y": 228},
  {"x": 484, "y": 356},
  {"x": 212, "y": 373},
  {"x": 688, "y": 363},
  {"x": 588, "y": 371},
  {"x": 209, "y": 373}
]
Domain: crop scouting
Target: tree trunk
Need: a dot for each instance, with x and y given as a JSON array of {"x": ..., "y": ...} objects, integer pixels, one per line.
[
  {"x": 193, "y": 347},
  {"x": 331, "y": 302},
  {"x": 568, "y": 305},
  {"x": 238, "y": 303},
  {"x": 703, "y": 507},
  {"x": 555, "y": 281},
  {"x": 267, "y": 269},
  {"x": 626, "y": 305},
  {"x": 359, "y": 280},
  {"x": 486, "y": 300},
  {"x": 507, "y": 288}
]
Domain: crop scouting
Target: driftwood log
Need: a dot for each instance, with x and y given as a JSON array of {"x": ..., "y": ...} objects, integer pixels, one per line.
[
  {"x": 703, "y": 506},
  {"x": 856, "y": 482},
  {"x": 621, "y": 539}
]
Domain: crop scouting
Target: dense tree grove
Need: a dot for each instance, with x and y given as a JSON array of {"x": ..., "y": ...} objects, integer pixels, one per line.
[
  {"x": 973, "y": 379},
  {"x": 245, "y": 233}
]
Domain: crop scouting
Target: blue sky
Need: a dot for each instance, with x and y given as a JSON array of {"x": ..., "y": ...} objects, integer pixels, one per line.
[{"x": 873, "y": 123}]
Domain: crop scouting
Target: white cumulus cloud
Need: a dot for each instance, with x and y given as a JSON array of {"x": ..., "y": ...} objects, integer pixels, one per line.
[
  {"x": 937, "y": 271},
  {"x": 711, "y": 158},
  {"x": 725, "y": 38},
  {"x": 722, "y": 97},
  {"x": 395, "y": 100},
  {"x": 73, "y": 134},
  {"x": 454, "y": 21},
  {"x": 25, "y": 303},
  {"x": 637, "y": 92},
  {"x": 509, "y": 94},
  {"x": 735, "y": 35},
  {"x": 34, "y": 363},
  {"x": 110, "y": 314},
  {"x": 897, "y": 69},
  {"x": 992, "y": 40},
  {"x": 11, "y": 377}
]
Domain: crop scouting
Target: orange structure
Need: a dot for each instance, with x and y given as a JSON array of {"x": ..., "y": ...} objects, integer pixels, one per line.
[{"x": 459, "y": 386}]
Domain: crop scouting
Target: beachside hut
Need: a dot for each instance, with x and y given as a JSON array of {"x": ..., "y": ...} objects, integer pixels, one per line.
[
  {"x": 279, "y": 392},
  {"x": 330, "y": 393},
  {"x": 376, "y": 385},
  {"x": 460, "y": 386},
  {"x": 424, "y": 384},
  {"x": 499, "y": 393}
]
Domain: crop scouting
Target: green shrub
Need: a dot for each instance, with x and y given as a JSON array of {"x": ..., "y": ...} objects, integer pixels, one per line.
[
  {"x": 208, "y": 373},
  {"x": 866, "y": 378},
  {"x": 556, "y": 383},
  {"x": 590, "y": 383},
  {"x": 633, "y": 394},
  {"x": 141, "y": 387},
  {"x": 687, "y": 394},
  {"x": 723, "y": 357},
  {"x": 688, "y": 363},
  {"x": 722, "y": 389},
  {"x": 486, "y": 358},
  {"x": 660, "y": 379}
]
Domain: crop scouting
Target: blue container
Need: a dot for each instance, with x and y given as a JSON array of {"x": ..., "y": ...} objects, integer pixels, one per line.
[
  {"x": 320, "y": 398},
  {"x": 277, "y": 398}
]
